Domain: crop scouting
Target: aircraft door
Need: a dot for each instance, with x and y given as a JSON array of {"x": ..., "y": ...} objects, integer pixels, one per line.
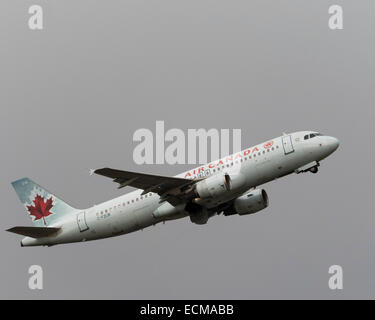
[
  {"x": 81, "y": 221},
  {"x": 287, "y": 144}
]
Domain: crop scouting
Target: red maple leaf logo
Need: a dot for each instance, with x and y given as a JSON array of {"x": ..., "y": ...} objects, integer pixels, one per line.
[
  {"x": 40, "y": 210},
  {"x": 268, "y": 144}
]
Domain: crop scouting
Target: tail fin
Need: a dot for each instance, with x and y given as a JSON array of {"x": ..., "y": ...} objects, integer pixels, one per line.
[{"x": 43, "y": 207}]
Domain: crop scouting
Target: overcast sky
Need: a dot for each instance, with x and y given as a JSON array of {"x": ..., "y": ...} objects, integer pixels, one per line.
[{"x": 73, "y": 94}]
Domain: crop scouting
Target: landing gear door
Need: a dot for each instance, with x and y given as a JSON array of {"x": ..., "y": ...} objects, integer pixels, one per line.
[
  {"x": 81, "y": 221},
  {"x": 287, "y": 144}
]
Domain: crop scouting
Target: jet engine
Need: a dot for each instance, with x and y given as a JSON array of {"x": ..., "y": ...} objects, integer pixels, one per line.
[
  {"x": 249, "y": 203},
  {"x": 219, "y": 184},
  {"x": 198, "y": 214},
  {"x": 201, "y": 216}
]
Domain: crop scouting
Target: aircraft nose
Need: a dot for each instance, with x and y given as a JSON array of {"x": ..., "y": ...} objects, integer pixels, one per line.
[{"x": 332, "y": 143}]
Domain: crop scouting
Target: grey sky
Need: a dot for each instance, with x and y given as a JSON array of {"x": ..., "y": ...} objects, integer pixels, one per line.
[{"x": 73, "y": 94}]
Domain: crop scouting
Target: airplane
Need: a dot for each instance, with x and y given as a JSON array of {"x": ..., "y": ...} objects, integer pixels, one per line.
[{"x": 228, "y": 186}]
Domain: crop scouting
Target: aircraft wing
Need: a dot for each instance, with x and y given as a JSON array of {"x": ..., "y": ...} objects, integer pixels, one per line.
[{"x": 169, "y": 188}]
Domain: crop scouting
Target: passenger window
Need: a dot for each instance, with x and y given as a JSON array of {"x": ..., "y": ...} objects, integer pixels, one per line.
[
  {"x": 312, "y": 135},
  {"x": 306, "y": 137}
]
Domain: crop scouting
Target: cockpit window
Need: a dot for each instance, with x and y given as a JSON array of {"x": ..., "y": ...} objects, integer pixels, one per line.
[{"x": 312, "y": 135}]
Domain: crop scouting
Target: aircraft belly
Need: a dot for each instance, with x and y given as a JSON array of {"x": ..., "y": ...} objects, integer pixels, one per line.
[{"x": 265, "y": 169}]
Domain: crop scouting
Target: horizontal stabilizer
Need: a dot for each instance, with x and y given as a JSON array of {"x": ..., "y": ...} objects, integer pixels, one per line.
[{"x": 34, "y": 232}]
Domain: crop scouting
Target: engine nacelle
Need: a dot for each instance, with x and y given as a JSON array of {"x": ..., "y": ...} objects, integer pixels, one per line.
[
  {"x": 219, "y": 184},
  {"x": 251, "y": 202}
]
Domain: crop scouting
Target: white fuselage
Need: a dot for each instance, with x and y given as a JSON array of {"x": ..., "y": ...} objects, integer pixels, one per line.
[{"x": 131, "y": 212}]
